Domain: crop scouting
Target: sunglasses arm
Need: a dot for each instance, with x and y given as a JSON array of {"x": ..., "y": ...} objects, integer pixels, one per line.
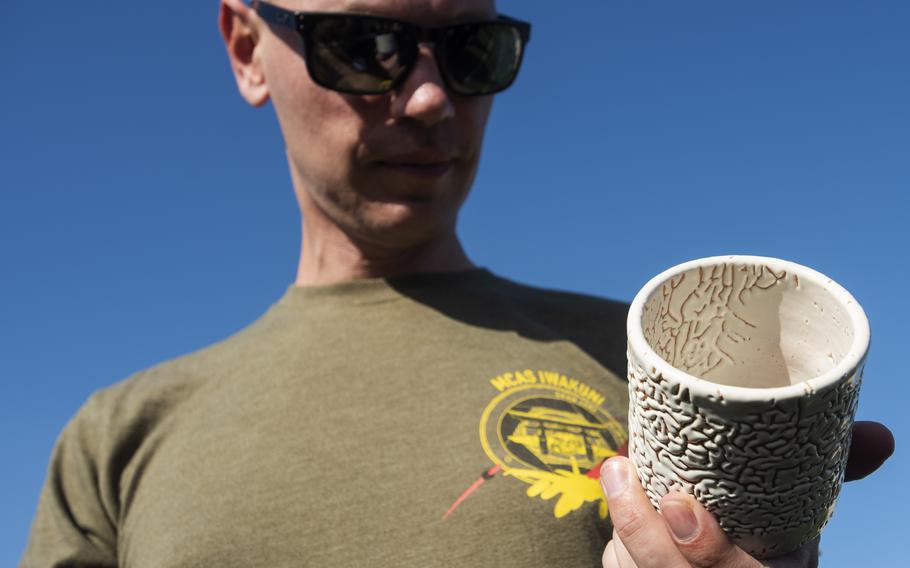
[{"x": 275, "y": 15}]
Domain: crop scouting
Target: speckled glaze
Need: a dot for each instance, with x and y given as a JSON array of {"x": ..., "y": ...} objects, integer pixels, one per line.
[{"x": 744, "y": 375}]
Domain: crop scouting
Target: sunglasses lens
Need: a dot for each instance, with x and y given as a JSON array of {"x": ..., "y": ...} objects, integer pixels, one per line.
[
  {"x": 363, "y": 54},
  {"x": 357, "y": 54},
  {"x": 483, "y": 58}
]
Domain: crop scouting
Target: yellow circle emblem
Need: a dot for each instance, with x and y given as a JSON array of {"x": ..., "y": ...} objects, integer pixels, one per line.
[{"x": 553, "y": 435}]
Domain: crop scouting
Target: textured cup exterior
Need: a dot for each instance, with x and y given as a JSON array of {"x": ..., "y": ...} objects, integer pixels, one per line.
[
  {"x": 768, "y": 463},
  {"x": 770, "y": 471}
]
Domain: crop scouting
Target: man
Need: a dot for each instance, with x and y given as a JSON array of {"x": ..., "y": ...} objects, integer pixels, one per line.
[{"x": 398, "y": 406}]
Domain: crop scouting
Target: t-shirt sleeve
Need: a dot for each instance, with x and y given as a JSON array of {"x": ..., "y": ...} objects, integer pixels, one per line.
[{"x": 76, "y": 520}]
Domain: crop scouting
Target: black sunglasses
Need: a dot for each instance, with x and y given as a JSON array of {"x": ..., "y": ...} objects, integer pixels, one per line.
[{"x": 360, "y": 54}]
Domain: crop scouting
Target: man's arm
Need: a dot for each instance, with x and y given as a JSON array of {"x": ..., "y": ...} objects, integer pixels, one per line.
[{"x": 75, "y": 524}]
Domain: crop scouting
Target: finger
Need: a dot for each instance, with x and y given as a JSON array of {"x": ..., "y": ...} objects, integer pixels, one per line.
[
  {"x": 623, "y": 558},
  {"x": 698, "y": 536},
  {"x": 872, "y": 444},
  {"x": 609, "y": 557},
  {"x": 640, "y": 528},
  {"x": 613, "y": 559}
]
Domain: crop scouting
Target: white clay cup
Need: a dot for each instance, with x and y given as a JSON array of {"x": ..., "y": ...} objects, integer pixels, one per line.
[{"x": 744, "y": 376}]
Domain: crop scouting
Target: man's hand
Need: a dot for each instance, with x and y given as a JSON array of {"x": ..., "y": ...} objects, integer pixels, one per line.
[{"x": 685, "y": 535}]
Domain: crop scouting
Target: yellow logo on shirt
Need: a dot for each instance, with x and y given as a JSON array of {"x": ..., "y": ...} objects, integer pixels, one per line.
[{"x": 551, "y": 432}]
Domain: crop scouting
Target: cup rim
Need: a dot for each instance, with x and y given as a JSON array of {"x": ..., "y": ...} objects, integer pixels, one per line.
[{"x": 844, "y": 368}]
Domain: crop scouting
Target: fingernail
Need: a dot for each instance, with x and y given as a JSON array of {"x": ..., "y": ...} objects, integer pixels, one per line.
[
  {"x": 614, "y": 477},
  {"x": 681, "y": 519}
]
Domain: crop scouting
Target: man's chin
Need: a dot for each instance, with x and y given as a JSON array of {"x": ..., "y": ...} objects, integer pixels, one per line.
[{"x": 405, "y": 220}]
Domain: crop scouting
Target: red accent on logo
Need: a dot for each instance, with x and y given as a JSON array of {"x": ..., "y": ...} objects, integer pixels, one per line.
[
  {"x": 488, "y": 474},
  {"x": 594, "y": 472}
]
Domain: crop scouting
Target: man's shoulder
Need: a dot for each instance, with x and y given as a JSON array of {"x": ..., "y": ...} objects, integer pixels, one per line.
[
  {"x": 564, "y": 303},
  {"x": 160, "y": 389},
  {"x": 595, "y": 324},
  {"x": 565, "y": 309},
  {"x": 147, "y": 395}
]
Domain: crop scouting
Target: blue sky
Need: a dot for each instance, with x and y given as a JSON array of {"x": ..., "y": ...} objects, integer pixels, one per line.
[{"x": 146, "y": 212}]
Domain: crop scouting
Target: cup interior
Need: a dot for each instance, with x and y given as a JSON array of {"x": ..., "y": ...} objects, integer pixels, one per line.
[{"x": 749, "y": 324}]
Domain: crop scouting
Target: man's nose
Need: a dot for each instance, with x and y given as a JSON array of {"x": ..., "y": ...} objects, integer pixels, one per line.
[{"x": 423, "y": 95}]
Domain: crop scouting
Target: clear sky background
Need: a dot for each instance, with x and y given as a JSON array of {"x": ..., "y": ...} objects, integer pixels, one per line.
[{"x": 146, "y": 212}]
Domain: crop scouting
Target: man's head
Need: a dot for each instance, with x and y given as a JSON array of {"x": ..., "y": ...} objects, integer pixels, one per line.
[{"x": 387, "y": 169}]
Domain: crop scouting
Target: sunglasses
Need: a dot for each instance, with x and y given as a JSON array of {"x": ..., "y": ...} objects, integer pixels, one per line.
[{"x": 359, "y": 54}]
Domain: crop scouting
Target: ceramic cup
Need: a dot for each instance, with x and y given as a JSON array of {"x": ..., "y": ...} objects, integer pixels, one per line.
[{"x": 744, "y": 374}]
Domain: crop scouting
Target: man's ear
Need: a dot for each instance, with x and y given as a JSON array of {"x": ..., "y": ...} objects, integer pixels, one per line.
[{"x": 235, "y": 19}]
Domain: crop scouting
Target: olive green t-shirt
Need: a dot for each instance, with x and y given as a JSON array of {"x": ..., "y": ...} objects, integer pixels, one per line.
[{"x": 454, "y": 419}]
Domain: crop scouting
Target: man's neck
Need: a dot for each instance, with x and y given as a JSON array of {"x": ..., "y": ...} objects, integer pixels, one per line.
[{"x": 329, "y": 256}]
